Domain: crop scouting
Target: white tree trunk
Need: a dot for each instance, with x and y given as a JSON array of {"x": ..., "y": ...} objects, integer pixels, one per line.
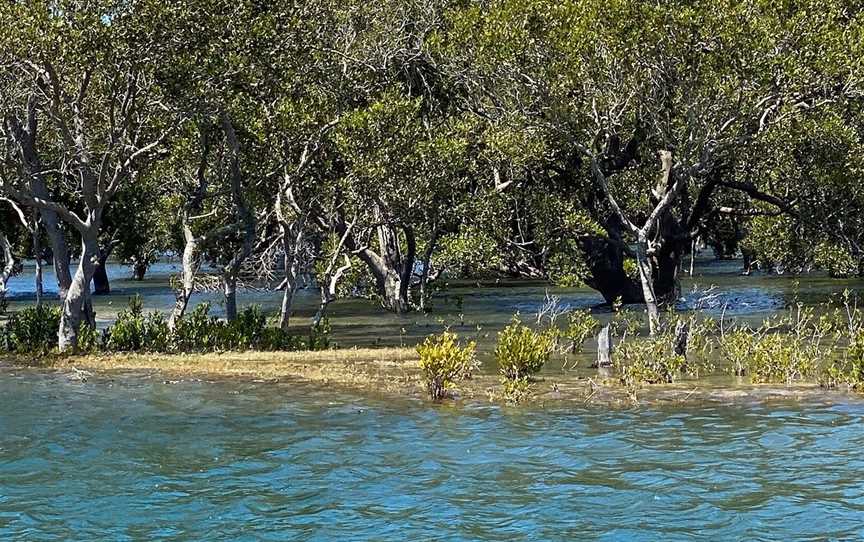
[
  {"x": 229, "y": 288},
  {"x": 189, "y": 269},
  {"x": 291, "y": 246},
  {"x": 646, "y": 277},
  {"x": 76, "y": 304},
  {"x": 8, "y": 265}
]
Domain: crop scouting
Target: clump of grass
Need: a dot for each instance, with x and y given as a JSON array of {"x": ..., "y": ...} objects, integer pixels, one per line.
[
  {"x": 444, "y": 361},
  {"x": 648, "y": 361}
]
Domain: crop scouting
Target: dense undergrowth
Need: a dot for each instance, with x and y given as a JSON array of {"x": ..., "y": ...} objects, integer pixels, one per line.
[{"x": 33, "y": 331}]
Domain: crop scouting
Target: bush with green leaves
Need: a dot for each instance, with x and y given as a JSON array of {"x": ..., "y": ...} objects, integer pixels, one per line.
[
  {"x": 580, "y": 327},
  {"x": 521, "y": 351},
  {"x": 784, "y": 349},
  {"x": 682, "y": 345},
  {"x": 319, "y": 335},
  {"x": 444, "y": 361},
  {"x": 33, "y": 330},
  {"x": 89, "y": 339},
  {"x": 134, "y": 331},
  {"x": 650, "y": 360},
  {"x": 245, "y": 332},
  {"x": 196, "y": 331}
]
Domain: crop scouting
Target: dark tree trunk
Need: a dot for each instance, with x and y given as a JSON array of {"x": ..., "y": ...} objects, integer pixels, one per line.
[
  {"x": 607, "y": 275},
  {"x": 139, "y": 269},
  {"x": 605, "y": 258},
  {"x": 393, "y": 269},
  {"x": 101, "y": 285}
]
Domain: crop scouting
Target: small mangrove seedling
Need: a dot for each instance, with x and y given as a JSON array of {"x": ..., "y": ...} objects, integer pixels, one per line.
[
  {"x": 580, "y": 326},
  {"x": 521, "y": 353},
  {"x": 444, "y": 362}
]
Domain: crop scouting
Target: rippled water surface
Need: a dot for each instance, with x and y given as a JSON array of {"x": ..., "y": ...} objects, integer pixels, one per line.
[{"x": 138, "y": 459}]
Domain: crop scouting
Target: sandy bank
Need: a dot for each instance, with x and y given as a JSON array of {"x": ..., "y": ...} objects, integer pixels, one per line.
[{"x": 395, "y": 372}]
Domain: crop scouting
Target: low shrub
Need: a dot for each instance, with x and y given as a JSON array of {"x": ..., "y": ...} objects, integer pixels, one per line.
[
  {"x": 243, "y": 333},
  {"x": 196, "y": 331},
  {"x": 521, "y": 352},
  {"x": 784, "y": 349},
  {"x": 445, "y": 361},
  {"x": 89, "y": 339},
  {"x": 319, "y": 335},
  {"x": 580, "y": 327},
  {"x": 33, "y": 330},
  {"x": 681, "y": 346},
  {"x": 650, "y": 361},
  {"x": 275, "y": 339},
  {"x": 133, "y": 331}
]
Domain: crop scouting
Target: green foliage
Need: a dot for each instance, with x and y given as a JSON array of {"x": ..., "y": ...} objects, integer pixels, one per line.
[
  {"x": 199, "y": 332},
  {"x": 319, "y": 335},
  {"x": 196, "y": 331},
  {"x": 784, "y": 349},
  {"x": 631, "y": 268},
  {"x": 444, "y": 361},
  {"x": 33, "y": 330},
  {"x": 521, "y": 352},
  {"x": 651, "y": 361},
  {"x": 471, "y": 253},
  {"x": 133, "y": 331},
  {"x": 838, "y": 261},
  {"x": 89, "y": 339},
  {"x": 664, "y": 357},
  {"x": 580, "y": 327}
]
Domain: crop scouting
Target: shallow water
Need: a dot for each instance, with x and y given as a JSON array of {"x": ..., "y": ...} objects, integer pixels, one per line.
[
  {"x": 138, "y": 459},
  {"x": 471, "y": 309}
]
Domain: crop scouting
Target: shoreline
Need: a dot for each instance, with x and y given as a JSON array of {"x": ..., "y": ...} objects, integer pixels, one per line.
[{"x": 395, "y": 373}]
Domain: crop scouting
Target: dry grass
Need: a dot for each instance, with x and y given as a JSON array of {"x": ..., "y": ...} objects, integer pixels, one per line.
[{"x": 384, "y": 369}]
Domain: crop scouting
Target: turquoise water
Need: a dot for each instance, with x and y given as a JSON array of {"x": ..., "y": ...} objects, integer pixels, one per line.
[{"x": 140, "y": 459}]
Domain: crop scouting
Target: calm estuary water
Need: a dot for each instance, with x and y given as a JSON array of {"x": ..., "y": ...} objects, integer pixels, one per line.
[{"x": 141, "y": 459}]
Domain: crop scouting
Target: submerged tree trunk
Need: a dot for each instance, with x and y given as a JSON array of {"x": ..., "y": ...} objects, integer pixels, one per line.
[
  {"x": 24, "y": 134},
  {"x": 101, "y": 284},
  {"x": 246, "y": 218},
  {"x": 62, "y": 261},
  {"x": 139, "y": 269},
  {"x": 328, "y": 286},
  {"x": 655, "y": 238},
  {"x": 606, "y": 270},
  {"x": 229, "y": 289},
  {"x": 291, "y": 244},
  {"x": 425, "y": 274},
  {"x": 646, "y": 277}
]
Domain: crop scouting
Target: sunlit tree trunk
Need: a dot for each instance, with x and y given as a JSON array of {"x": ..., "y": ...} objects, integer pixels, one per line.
[
  {"x": 76, "y": 307},
  {"x": 8, "y": 267}
]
